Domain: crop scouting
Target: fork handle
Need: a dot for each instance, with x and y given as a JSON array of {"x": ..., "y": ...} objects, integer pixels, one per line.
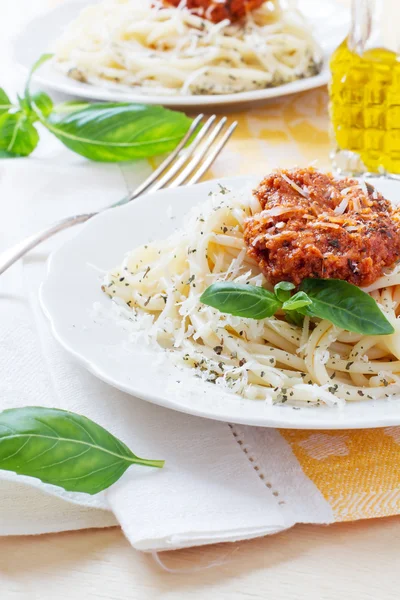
[{"x": 11, "y": 255}]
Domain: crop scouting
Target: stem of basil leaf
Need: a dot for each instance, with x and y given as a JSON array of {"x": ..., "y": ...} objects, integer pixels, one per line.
[{"x": 44, "y": 58}]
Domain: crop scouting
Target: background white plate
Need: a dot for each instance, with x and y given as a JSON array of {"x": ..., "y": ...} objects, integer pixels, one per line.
[
  {"x": 72, "y": 286},
  {"x": 329, "y": 19}
]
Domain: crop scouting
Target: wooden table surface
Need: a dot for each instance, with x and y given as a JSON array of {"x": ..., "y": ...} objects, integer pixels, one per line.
[
  {"x": 354, "y": 560},
  {"x": 357, "y": 561}
]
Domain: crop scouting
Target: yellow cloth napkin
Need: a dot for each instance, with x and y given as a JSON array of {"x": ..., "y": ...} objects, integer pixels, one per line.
[{"x": 357, "y": 472}]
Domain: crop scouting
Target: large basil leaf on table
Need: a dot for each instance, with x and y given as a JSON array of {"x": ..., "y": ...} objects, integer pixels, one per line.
[
  {"x": 119, "y": 132},
  {"x": 64, "y": 449}
]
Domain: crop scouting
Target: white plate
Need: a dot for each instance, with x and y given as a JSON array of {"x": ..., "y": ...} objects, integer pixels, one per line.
[
  {"x": 330, "y": 21},
  {"x": 73, "y": 286}
]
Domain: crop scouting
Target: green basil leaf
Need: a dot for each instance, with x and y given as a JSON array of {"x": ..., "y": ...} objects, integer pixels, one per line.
[
  {"x": 42, "y": 59},
  {"x": 346, "y": 306},
  {"x": 297, "y": 301},
  {"x": 282, "y": 290},
  {"x": 24, "y": 104},
  {"x": 42, "y": 102},
  {"x": 294, "y": 317},
  {"x": 115, "y": 132},
  {"x": 5, "y": 154},
  {"x": 241, "y": 300},
  {"x": 35, "y": 66},
  {"x": 64, "y": 449},
  {"x": 5, "y": 102},
  {"x": 70, "y": 106},
  {"x": 17, "y": 134}
]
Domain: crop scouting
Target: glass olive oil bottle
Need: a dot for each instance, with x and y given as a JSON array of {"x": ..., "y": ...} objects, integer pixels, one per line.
[{"x": 365, "y": 92}]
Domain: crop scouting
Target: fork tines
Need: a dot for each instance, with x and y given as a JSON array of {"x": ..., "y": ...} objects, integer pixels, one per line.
[{"x": 187, "y": 164}]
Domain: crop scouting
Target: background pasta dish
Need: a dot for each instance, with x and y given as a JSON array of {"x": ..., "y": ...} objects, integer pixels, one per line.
[{"x": 167, "y": 49}]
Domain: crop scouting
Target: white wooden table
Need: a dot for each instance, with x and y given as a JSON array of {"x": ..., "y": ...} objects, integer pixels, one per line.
[{"x": 357, "y": 560}]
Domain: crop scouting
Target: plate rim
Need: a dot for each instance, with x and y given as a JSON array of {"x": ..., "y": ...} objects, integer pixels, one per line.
[
  {"x": 324, "y": 422},
  {"x": 94, "y": 92},
  {"x": 105, "y": 94}
]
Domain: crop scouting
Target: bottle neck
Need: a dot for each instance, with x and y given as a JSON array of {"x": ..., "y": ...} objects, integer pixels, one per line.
[
  {"x": 361, "y": 16},
  {"x": 375, "y": 24}
]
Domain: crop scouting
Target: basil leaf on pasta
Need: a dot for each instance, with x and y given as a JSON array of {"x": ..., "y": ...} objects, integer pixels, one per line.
[
  {"x": 283, "y": 289},
  {"x": 294, "y": 317},
  {"x": 346, "y": 306},
  {"x": 241, "y": 300},
  {"x": 296, "y": 302}
]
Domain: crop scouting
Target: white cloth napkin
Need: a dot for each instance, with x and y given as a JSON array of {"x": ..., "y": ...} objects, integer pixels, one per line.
[{"x": 220, "y": 482}]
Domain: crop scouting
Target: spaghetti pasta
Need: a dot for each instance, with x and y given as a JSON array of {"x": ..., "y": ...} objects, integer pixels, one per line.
[
  {"x": 167, "y": 50},
  {"x": 158, "y": 287}
]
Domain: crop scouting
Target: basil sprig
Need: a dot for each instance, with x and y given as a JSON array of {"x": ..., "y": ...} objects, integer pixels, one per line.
[
  {"x": 340, "y": 302},
  {"x": 108, "y": 132},
  {"x": 64, "y": 449}
]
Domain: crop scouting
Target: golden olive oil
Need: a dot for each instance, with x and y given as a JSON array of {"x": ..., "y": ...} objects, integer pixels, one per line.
[{"x": 365, "y": 110}]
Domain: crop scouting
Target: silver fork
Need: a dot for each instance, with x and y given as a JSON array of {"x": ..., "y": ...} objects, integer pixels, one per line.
[{"x": 183, "y": 165}]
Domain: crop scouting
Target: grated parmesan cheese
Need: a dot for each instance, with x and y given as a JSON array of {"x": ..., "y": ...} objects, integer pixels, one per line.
[{"x": 296, "y": 187}]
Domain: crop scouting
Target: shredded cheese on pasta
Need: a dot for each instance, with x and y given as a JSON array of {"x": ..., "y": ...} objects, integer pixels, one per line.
[
  {"x": 158, "y": 287},
  {"x": 158, "y": 50}
]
